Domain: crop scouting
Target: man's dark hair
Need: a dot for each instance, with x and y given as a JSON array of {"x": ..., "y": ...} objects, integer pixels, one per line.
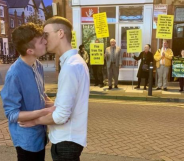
[
  {"x": 149, "y": 45},
  {"x": 81, "y": 46},
  {"x": 63, "y": 24},
  {"x": 23, "y": 35}
]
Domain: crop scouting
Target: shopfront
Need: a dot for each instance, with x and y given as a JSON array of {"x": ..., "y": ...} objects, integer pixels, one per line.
[{"x": 122, "y": 15}]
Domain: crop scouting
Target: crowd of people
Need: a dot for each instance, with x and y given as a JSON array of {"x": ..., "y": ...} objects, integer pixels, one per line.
[{"x": 113, "y": 62}]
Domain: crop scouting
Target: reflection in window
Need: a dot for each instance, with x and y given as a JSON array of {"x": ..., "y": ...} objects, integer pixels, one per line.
[
  {"x": 1, "y": 11},
  {"x": 111, "y": 13},
  {"x": 2, "y": 27},
  {"x": 131, "y": 13},
  {"x": 180, "y": 32},
  {"x": 12, "y": 23}
]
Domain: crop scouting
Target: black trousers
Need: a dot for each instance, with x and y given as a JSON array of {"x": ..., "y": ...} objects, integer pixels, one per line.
[
  {"x": 97, "y": 73},
  {"x": 23, "y": 155},
  {"x": 66, "y": 151},
  {"x": 139, "y": 82},
  {"x": 181, "y": 81}
]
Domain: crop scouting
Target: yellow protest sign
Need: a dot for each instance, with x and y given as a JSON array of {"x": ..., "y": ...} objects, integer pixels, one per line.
[
  {"x": 101, "y": 25},
  {"x": 74, "y": 40},
  {"x": 134, "y": 40},
  {"x": 165, "y": 27},
  {"x": 97, "y": 54}
]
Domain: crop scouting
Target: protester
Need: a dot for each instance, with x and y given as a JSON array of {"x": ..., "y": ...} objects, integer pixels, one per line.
[
  {"x": 181, "y": 79},
  {"x": 98, "y": 72},
  {"x": 146, "y": 57},
  {"x": 23, "y": 93},
  {"x": 113, "y": 59},
  {"x": 163, "y": 58},
  {"x": 68, "y": 130},
  {"x": 83, "y": 53}
]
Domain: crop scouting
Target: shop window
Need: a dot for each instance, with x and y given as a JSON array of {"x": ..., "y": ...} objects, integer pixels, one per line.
[
  {"x": 178, "y": 30},
  {"x": 12, "y": 23},
  {"x": 2, "y": 27},
  {"x": 1, "y": 11},
  {"x": 130, "y": 13},
  {"x": 19, "y": 22},
  {"x": 179, "y": 14},
  {"x": 89, "y": 35},
  {"x": 111, "y": 13}
]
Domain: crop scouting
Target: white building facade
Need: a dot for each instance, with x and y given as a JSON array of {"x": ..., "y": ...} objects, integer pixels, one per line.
[{"x": 122, "y": 15}]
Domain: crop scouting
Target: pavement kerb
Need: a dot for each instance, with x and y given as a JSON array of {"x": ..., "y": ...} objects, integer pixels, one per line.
[{"x": 147, "y": 98}]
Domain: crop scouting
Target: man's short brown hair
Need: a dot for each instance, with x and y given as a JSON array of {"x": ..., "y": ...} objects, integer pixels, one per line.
[
  {"x": 23, "y": 35},
  {"x": 62, "y": 23}
]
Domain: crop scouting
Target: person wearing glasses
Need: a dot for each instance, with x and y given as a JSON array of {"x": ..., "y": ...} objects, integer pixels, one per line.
[
  {"x": 68, "y": 123},
  {"x": 23, "y": 94}
]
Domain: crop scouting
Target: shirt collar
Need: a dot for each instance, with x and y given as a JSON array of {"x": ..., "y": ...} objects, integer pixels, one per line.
[
  {"x": 67, "y": 54},
  {"x": 26, "y": 65}
]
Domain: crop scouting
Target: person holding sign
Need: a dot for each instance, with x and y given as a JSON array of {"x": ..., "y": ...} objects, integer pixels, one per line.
[
  {"x": 163, "y": 58},
  {"x": 146, "y": 57},
  {"x": 83, "y": 53},
  {"x": 113, "y": 60}
]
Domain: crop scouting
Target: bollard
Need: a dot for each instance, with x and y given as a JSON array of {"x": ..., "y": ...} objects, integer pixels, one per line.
[{"x": 150, "y": 79}]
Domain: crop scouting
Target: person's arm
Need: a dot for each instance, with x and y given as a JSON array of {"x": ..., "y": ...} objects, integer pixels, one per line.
[
  {"x": 65, "y": 100},
  {"x": 120, "y": 58},
  {"x": 169, "y": 54},
  {"x": 139, "y": 57},
  {"x": 157, "y": 55},
  {"x": 11, "y": 96}
]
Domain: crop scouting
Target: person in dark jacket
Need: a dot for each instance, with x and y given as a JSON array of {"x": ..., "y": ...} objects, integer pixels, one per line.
[{"x": 146, "y": 57}]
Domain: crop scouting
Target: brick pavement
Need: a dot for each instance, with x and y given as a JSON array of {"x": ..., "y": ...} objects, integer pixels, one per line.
[{"x": 131, "y": 129}]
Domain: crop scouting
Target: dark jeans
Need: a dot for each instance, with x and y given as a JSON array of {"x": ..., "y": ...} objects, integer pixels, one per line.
[
  {"x": 66, "y": 151},
  {"x": 181, "y": 81},
  {"x": 23, "y": 155},
  {"x": 139, "y": 82},
  {"x": 97, "y": 73}
]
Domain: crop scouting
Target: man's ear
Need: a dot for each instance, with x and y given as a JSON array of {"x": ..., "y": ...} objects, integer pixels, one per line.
[
  {"x": 29, "y": 51},
  {"x": 61, "y": 33}
]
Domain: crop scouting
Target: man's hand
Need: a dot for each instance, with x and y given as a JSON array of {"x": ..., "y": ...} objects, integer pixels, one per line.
[
  {"x": 119, "y": 66},
  {"x": 27, "y": 123},
  {"x": 50, "y": 109},
  {"x": 163, "y": 54}
]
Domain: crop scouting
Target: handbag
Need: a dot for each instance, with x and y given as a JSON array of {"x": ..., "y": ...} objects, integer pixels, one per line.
[{"x": 145, "y": 67}]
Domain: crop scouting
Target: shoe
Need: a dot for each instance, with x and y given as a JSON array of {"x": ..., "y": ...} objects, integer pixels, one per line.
[
  {"x": 145, "y": 88},
  {"x": 165, "y": 89},
  {"x": 180, "y": 90},
  {"x": 110, "y": 87},
  {"x": 158, "y": 88},
  {"x": 101, "y": 85},
  {"x": 137, "y": 87},
  {"x": 116, "y": 87},
  {"x": 96, "y": 85}
]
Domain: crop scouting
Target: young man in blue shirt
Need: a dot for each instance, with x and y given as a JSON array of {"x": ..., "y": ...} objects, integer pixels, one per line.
[{"x": 23, "y": 93}]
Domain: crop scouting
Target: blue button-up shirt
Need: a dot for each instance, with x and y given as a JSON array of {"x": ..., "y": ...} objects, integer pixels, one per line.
[{"x": 24, "y": 91}]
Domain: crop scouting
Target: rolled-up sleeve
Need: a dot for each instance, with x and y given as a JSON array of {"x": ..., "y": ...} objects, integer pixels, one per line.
[
  {"x": 11, "y": 97},
  {"x": 67, "y": 91}
]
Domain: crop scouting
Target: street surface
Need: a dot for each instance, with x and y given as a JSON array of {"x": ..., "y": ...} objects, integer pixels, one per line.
[{"x": 124, "y": 131}]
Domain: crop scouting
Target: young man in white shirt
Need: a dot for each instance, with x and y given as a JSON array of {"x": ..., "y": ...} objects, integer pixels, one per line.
[{"x": 68, "y": 123}]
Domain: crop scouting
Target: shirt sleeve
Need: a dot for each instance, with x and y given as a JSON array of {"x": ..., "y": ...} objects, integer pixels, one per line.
[
  {"x": 67, "y": 92},
  {"x": 11, "y": 97}
]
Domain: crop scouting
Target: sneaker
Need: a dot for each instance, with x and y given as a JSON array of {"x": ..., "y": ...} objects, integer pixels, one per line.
[
  {"x": 101, "y": 85},
  {"x": 96, "y": 85},
  {"x": 180, "y": 90},
  {"x": 158, "y": 88},
  {"x": 165, "y": 89},
  {"x": 116, "y": 87},
  {"x": 110, "y": 87},
  {"x": 137, "y": 87}
]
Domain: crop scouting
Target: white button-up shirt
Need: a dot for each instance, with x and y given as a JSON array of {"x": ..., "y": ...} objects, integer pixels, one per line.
[{"x": 71, "y": 114}]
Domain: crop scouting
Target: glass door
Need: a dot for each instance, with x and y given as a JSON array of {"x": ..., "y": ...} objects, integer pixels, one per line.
[{"x": 129, "y": 68}]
